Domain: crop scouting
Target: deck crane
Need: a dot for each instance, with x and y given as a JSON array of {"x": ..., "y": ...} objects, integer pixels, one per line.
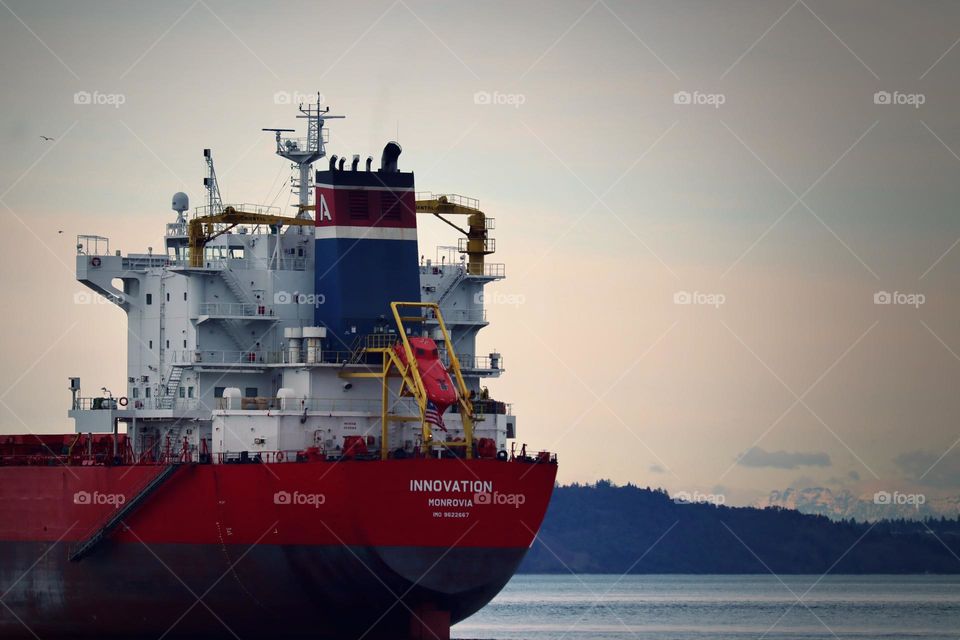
[
  {"x": 219, "y": 219},
  {"x": 477, "y": 243},
  {"x": 203, "y": 229}
]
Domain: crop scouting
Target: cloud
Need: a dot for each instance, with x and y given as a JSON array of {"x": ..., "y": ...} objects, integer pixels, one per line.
[
  {"x": 804, "y": 482},
  {"x": 931, "y": 469},
  {"x": 758, "y": 458},
  {"x": 852, "y": 476},
  {"x": 656, "y": 468}
]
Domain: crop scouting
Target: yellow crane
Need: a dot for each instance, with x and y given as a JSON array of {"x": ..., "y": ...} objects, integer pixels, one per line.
[
  {"x": 477, "y": 242},
  {"x": 203, "y": 229}
]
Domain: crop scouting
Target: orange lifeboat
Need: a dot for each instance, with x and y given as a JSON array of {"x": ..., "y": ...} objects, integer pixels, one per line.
[{"x": 441, "y": 392}]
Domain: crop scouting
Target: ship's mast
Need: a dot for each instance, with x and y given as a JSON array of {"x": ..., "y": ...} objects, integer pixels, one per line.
[
  {"x": 214, "y": 203},
  {"x": 303, "y": 152}
]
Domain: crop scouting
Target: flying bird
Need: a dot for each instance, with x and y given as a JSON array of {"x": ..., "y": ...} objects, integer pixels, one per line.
[{"x": 46, "y": 138}]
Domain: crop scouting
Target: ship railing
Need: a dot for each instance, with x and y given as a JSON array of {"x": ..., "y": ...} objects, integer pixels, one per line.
[
  {"x": 490, "y": 270},
  {"x": 462, "y": 315},
  {"x": 380, "y": 340},
  {"x": 262, "y": 264},
  {"x": 97, "y": 404},
  {"x": 246, "y": 207},
  {"x": 176, "y": 229},
  {"x": 122, "y": 403},
  {"x": 299, "y": 405},
  {"x": 156, "y": 402},
  {"x": 323, "y": 357},
  {"x": 257, "y": 457},
  {"x": 65, "y": 449},
  {"x": 452, "y": 198},
  {"x": 234, "y": 309},
  {"x": 302, "y": 143},
  {"x": 486, "y": 407},
  {"x": 468, "y": 361},
  {"x": 495, "y": 270},
  {"x": 203, "y": 356},
  {"x": 253, "y": 357},
  {"x": 93, "y": 245},
  {"x": 489, "y": 245},
  {"x": 138, "y": 262}
]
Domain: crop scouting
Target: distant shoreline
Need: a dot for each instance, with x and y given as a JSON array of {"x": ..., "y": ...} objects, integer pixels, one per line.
[{"x": 604, "y": 529}]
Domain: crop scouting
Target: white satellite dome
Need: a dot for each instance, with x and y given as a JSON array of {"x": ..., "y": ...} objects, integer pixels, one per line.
[{"x": 180, "y": 202}]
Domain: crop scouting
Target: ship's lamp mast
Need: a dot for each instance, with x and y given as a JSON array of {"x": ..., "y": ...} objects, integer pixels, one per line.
[{"x": 304, "y": 152}]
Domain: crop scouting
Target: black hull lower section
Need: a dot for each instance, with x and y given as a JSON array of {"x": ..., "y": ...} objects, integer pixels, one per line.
[{"x": 134, "y": 590}]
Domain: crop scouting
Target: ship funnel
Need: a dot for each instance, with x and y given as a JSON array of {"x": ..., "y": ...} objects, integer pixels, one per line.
[
  {"x": 356, "y": 162},
  {"x": 333, "y": 162},
  {"x": 388, "y": 161}
]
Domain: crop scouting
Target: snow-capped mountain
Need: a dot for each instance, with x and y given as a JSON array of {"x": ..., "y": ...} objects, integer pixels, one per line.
[{"x": 872, "y": 506}]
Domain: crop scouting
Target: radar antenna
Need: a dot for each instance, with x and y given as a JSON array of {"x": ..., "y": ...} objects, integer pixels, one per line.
[{"x": 304, "y": 151}]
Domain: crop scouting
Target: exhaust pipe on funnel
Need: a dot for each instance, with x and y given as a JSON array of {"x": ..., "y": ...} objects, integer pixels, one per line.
[{"x": 388, "y": 161}]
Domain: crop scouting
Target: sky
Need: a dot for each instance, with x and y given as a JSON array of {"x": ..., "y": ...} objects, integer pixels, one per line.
[{"x": 729, "y": 228}]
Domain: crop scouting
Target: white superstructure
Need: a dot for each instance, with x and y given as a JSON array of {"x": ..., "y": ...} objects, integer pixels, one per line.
[{"x": 227, "y": 360}]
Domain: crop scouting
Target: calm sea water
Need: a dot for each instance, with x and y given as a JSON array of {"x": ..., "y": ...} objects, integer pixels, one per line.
[{"x": 720, "y": 607}]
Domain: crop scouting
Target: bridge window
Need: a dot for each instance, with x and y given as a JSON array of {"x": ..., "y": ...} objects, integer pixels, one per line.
[
  {"x": 251, "y": 392},
  {"x": 181, "y": 391},
  {"x": 146, "y": 392},
  {"x": 149, "y": 298},
  {"x": 136, "y": 392},
  {"x": 218, "y": 392}
]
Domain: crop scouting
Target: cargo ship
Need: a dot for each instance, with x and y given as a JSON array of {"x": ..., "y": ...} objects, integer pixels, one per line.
[{"x": 306, "y": 446}]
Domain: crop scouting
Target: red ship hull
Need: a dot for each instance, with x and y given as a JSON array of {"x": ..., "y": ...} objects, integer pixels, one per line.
[{"x": 319, "y": 549}]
